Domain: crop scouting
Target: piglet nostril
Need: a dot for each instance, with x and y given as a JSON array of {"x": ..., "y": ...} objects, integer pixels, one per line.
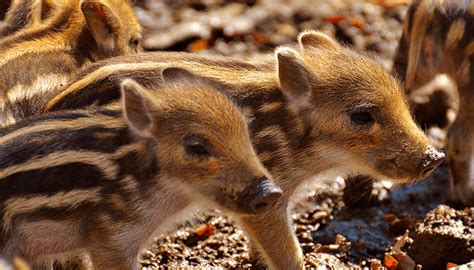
[
  {"x": 433, "y": 158},
  {"x": 265, "y": 198},
  {"x": 261, "y": 206},
  {"x": 265, "y": 202}
]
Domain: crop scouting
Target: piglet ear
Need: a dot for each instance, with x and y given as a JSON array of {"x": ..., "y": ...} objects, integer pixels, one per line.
[
  {"x": 315, "y": 39},
  {"x": 293, "y": 78},
  {"x": 102, "y": 23},
  {"x": 136, "y": 107}
]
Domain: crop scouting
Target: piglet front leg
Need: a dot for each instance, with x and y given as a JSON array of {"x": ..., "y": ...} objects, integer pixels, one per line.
[{"x": 274, "y": 238}]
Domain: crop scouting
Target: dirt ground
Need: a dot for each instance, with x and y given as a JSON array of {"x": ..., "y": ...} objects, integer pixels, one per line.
[{"x": 361, "y": 228}]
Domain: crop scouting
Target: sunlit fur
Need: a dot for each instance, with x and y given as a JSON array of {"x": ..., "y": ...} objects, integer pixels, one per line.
[
  {"x": 100, "y": 182},
  {"x": 36, "y": 61},
  {"x": 438, "y": 38},
  {"x": 298, "y": 105}
]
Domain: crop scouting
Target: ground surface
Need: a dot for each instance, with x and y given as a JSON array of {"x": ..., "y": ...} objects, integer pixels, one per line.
[{"x": 335, "y": 230}]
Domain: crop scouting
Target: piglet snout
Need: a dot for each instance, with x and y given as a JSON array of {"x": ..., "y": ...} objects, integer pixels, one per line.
[{"x": 261, "y": 196}]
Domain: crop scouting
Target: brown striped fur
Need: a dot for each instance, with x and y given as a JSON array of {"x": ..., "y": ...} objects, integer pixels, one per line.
[
  {"x": 21, "y": 13},
  {"x": 300, "y": 105},
  {"x": 37, "y": 61},
  {"x": 104, "y": 182},
  {"x": 24, "y": 14},
  {"x": 438, "y": 38}
]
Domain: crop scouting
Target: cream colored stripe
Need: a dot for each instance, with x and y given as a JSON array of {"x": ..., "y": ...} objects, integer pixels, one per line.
[
  {"x": 122, "y": 151},
  {"x": 100, "y": 160},
  {"x": 265, "y": 156},
  {"x": 44, "y": 84},
  {"x": 103, "y": 161},
  {"x": 83, "y": 122},
  {"x": 129, "y": 183},
  {"x": 104, "y": 72},
  {"x": 72, "y": 199},
  {"x": 6, "y": 118},
  {"x": 41, "y": 46},
  {"x": 270, "y": 107},
  {"x": 455, "y": 33}
]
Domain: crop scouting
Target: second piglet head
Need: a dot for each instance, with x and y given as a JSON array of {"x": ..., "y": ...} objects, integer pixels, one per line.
[
  {"x": 356, "y": 112},
  {"x": 113, "y": 26},
  {"x": 206, "y": 147}
]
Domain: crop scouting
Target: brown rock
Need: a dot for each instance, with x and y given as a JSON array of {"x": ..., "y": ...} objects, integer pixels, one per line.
[{"x": 446, "y": 235}]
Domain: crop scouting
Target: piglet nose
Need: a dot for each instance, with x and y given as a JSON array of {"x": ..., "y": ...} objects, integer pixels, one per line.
[
  {"x": 263, "y": 197},
  {"x": 432, "y": 159}
]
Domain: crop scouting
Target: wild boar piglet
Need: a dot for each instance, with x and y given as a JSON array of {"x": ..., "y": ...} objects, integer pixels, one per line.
[
  {"x": 37, "y": 61},
  {"x": 105, "y": 181},
  {"x": 438, "y": 38}
]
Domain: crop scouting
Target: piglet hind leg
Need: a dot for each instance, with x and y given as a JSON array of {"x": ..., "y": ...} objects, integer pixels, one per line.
[{"x": 273, "y": 239}]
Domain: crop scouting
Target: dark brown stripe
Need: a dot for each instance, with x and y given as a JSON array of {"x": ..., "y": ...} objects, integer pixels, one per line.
[
  {"x": 97, "y": 139},
  {"x": 400, "y": 62},
  {"x": 4, "y": 5},
  {"x": 50, "y": 181},
  {"x": 141, "y": 166},
  {"x": 296, "y": 138}
]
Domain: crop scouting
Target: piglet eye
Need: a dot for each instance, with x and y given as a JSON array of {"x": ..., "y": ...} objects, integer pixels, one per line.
[
  {"x": 362, "y": 118},
  {"x": 197, "y": 150},
  {"x": 197, "y": 146}
]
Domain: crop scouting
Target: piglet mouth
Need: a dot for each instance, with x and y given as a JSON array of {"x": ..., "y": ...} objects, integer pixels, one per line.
[{"x": 391, "y": 169}]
